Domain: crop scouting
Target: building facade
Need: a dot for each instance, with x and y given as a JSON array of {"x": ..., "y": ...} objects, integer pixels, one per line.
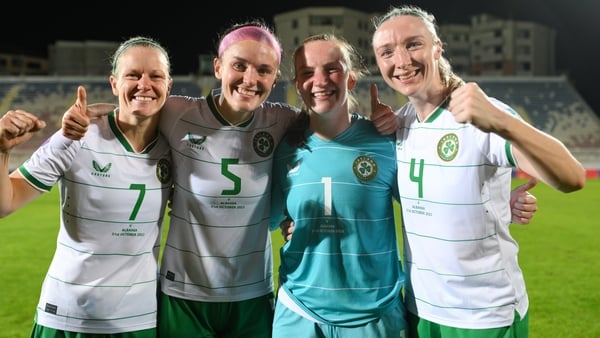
[
  {"x": 495, "y": 47},
  {"x": 355, "y": 26},
  {"x": 487, "y": 46}
]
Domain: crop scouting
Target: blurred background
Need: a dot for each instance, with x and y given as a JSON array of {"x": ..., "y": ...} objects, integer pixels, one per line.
[{"x": 537, "y": 56}]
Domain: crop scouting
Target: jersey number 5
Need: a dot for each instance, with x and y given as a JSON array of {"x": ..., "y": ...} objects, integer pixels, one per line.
[{"x": 237, "y": 181}]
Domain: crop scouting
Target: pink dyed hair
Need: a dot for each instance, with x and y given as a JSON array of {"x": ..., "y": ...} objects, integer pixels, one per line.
[{"x": 250, "y": 33}]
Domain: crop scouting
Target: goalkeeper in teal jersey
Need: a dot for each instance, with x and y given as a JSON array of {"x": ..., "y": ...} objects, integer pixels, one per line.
[{"x": 335, "y": 176}]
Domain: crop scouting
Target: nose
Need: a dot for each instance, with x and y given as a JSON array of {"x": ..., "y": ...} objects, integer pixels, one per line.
[
  {"x": 250, "y": 75},
  {"x": 403, "y": 58},
  {"x": 144, "y": 82},
  {"x": 320, "y": 77}
]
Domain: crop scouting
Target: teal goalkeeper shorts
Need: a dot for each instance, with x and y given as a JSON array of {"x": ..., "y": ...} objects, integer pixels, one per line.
[{"x": 288, "y": 323}]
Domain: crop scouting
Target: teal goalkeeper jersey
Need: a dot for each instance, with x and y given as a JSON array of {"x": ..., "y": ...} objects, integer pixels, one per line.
[{"x": 341, "y": 265}]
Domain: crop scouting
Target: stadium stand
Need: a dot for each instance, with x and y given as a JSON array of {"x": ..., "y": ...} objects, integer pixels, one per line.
[{"x": 551, "y": 104}]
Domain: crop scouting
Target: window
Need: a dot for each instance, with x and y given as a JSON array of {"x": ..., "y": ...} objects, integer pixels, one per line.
[
  {"x": 523, "y": 33},
  {"x": 524, "y": 50},
  {"x": 326, "y": 20}
]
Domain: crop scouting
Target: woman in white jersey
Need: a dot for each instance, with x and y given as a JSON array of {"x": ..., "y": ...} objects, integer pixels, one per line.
[
  {"x": 335, "y": 175},
  {"x": 456, "y": 149},
  {"x": 114, "y": 184},
  {"x": 216, "y": 272}
]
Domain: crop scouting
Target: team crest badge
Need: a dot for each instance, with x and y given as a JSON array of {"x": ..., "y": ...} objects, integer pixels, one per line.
[
  {"x": 263, "y": 144},
  {"x": 163, "y": 170},
  {"x": 447, "y": 147},
  {"x": 364, "y": 168}
]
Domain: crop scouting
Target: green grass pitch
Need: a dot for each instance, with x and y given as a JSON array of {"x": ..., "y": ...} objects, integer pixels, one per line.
[{"x": 559, "y": 254}]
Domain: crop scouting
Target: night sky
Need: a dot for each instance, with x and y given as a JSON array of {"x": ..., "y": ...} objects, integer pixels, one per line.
[{"x": 188, "y": 29}]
